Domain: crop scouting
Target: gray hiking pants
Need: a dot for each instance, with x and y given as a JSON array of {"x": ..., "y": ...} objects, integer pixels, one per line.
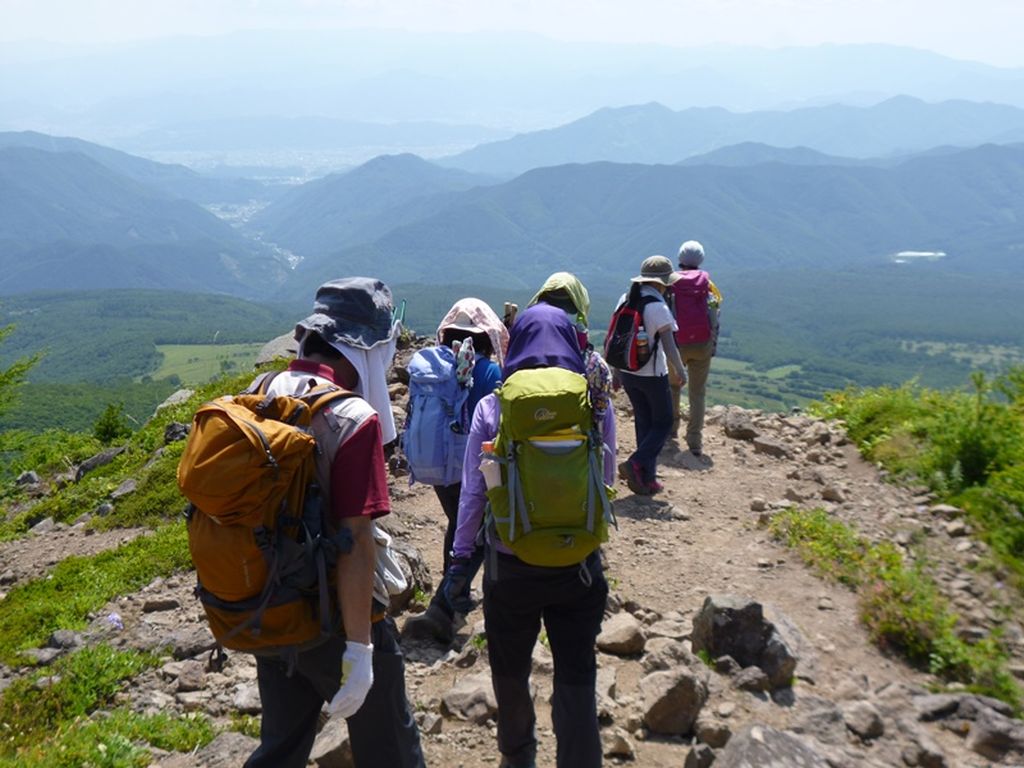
[{"x": 697, "y": 359}]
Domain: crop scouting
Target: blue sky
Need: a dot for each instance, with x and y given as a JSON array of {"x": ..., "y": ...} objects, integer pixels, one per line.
[{"x": 982, "y": 30}]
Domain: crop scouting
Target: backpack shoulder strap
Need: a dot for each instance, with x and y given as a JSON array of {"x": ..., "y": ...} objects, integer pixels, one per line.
[
  {"x": 323, "y": 395},
  {"x": 260, "y": 384}
]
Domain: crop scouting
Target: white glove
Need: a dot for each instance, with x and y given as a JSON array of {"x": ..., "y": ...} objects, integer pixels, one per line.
[{"x": 356, "y": 679}]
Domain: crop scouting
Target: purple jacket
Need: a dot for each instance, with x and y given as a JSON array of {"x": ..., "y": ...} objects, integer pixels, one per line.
[{"x": 473, "y": 498}]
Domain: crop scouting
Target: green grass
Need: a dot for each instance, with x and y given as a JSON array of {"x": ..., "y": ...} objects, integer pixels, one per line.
[
  {"x": 48, "y": 717},
  {"x": 80, "y": 585},
  {"x": 899, "y": 603},
  {"x": 201, "y": 363},
  {"x": 966, "y": 446}
]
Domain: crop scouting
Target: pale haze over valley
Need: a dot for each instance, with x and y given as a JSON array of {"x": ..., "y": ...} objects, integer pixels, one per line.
[{"x": 254, "y": 149}]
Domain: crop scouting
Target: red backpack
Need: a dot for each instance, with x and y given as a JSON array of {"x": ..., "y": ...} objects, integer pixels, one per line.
[
  {"x": 690, "y": 298},
  {"x": 628, "y": 346}
]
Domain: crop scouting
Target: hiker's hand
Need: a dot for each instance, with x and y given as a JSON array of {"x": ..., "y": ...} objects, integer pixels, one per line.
[
  {"x": 456, "y": 585},
  {"x": 616, "y": 380},
  {"x": 356, "y": 679}
]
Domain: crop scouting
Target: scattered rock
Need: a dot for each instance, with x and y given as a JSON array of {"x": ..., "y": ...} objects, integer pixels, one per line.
[
  {"x": 739, "y": 426},
  {"x": 752, "y": 679},
  {"x": 100, "y": 459},
  {"x": 672, "y": 700},
  {"x": 176, "y": 431},
  {"x": 760, "y": 746},
  {"x": 616, "y": 743},
  {"x": 863, "y": 719},
  {"x": 333, "y": 748},
  {"x": 125, "y": 488},
  {"x": 770, "y": 446},
  {"x": 27, "y": 478},
  {"x": 471, "y": 699},
  {"x": 712, "y": 732},
  {"x": 621, "y": 635},
  {"x": 699, "y": 756}
]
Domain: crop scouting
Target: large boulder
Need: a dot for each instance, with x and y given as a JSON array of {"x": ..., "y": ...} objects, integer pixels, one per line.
[
  {"x": 760, "y": 746},
  {"x": 672, "y": 700},
  {"x": 734, "y": 626}
]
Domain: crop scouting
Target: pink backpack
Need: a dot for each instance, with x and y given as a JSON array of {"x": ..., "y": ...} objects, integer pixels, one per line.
[{"x": 690, "y": 297}]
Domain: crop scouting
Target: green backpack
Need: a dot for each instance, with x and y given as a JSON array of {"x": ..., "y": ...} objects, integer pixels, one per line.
[{"x": 553, "y": 508}]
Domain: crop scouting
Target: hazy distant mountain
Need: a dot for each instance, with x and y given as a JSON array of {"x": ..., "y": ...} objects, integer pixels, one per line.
[
  {"x": 754, "y": 153},
  {"x": 109, "y": 90},
  {"x": 309, "y": 133},
  {"x": 66, "y": 221},
  {"x": 601, "y": 219},
  {"x": 652, "y": 133},
  {"x": 174, "y": 180},
  {"x": 341, "y": 209}
]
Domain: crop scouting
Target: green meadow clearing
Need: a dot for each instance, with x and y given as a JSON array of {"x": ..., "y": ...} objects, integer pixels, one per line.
[{"x": 200, "y": 363}]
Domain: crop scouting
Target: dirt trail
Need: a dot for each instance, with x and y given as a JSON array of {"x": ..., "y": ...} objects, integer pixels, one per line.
[{"x": 704, "y": 535}]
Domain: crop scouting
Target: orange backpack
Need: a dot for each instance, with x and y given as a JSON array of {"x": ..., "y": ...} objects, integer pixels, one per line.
[{"x": 261, "y": 544}]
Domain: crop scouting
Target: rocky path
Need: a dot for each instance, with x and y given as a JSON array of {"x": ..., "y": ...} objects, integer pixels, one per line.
[{"x": 704, "y": 536}]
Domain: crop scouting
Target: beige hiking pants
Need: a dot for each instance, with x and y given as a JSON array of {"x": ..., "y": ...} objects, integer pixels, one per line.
[{"x": 697, "y": 359}]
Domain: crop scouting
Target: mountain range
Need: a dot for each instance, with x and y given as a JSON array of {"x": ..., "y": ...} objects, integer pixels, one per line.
[
  {"x": 600, "y": 219},
  {"x": 172, "y": 180},
  {"x": 342, "y": 209},
  {"x": 114, "y": 92},
  {"x": 653, "y": 133},
  {"x": 68, "y": 221}
]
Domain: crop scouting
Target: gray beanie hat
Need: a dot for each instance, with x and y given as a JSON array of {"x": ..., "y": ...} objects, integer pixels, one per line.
[
  {"x": 691, "y": 254},
  {"x": 355, "y": 311}
]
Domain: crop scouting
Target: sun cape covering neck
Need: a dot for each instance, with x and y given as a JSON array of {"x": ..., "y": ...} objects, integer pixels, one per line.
[{"x": 355, "y": 315}]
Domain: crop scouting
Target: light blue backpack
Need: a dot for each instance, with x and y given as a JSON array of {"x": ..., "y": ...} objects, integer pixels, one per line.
[{"x": 437, "y": 424}]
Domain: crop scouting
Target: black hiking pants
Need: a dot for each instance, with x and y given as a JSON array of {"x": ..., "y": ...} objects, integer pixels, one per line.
[
  {"x": 448, "y": 495},
  {"x": 383, "y": 732},
  {"x": 571, "y": 603}
]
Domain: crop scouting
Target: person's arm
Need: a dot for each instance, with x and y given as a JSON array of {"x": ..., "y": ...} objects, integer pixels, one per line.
[
  {"x": 473, "y": 496},
  {"x": 359, "y": 493},
  {"x": 668, "y": 343},
  {"x": 355, "y": 579},
  {"x": 610, "y": 445},
  {"x": 355, "y": 593}
]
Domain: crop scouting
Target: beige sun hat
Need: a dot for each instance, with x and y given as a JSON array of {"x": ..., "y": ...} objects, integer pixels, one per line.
[{"x": 657, "y": 269}]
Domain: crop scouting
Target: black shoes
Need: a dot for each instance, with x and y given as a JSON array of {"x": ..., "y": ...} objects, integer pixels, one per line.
[{"x": 432, "y": 624}]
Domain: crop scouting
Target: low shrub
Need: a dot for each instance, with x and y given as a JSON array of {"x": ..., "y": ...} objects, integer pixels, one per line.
[{"x": 899, "y": 603}]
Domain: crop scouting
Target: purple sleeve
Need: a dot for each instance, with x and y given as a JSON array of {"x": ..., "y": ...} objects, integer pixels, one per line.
[
  {"x": 473, "y": 497},
  {"x": 610, "y": 445}
]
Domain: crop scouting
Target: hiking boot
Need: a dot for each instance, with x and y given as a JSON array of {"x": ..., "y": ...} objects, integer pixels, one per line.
[
  {"x": 654, "y": 487},
  {"x": 432, "y": 624},
  {"x": 629, "y": 472}
]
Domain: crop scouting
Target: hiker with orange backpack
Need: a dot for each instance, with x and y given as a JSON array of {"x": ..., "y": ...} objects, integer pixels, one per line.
[
  {"x": 348, "y": 341},
  {"x": 696, "y": 301},
  {"x": 538, "y": 466}
]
